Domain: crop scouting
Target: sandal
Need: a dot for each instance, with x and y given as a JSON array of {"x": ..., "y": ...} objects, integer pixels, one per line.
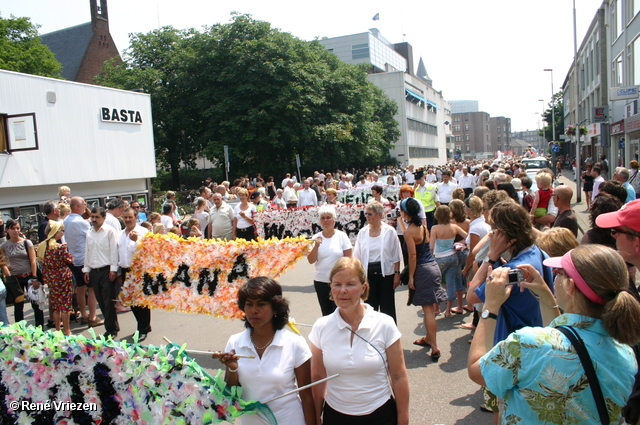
[
  {"x": 421, "y": 342},
  {"x": 435, "y": 356},
  {"x": 457, "y": 312},
  {"x": 465, "y": 308}
]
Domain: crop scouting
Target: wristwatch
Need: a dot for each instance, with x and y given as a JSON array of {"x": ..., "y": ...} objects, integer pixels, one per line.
[{"x": 486, "y": 314}]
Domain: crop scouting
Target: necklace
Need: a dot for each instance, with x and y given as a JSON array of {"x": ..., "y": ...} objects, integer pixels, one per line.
[{"x": 265, "y": 346}]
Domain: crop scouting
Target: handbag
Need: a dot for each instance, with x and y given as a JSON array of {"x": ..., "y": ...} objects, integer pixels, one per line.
[
  {"x": 587, "y": 364},
  {"x": 15, "y": 293}
]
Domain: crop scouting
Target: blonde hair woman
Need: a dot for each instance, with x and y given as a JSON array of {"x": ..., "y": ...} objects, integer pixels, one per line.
[
  {"x": 557, "y": 241},
  {"x": 57, "y": 275}
]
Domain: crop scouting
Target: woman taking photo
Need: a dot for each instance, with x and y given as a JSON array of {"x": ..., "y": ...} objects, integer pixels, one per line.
[
  {"x": 535, "y": 370},
  {"x": 281, "y": 359},
  {"x": 364, "y": 348},
  {"x": 424, "y": 273},
  {"x": 57, "y": 275},
  {"x": 243, "y": 217},
  {"x": 330, "y": 245},
  {"x": 378, "y": 249},
  {"x": 21, "y": 257}
]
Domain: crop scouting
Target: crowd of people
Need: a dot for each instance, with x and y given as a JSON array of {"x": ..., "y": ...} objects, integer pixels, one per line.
[{"x": 472, "y": 234}]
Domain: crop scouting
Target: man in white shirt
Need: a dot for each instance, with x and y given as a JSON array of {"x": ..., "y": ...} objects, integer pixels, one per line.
[
  {"x": 458, "y": 172},
  {"x": 307, "y": 197},
  {"x": 75, "y": 229},
  {"x": 285, "y": 180},
  {"x": 114, "y": 211},
  {"x": 220, "y": 219},
  {"x": 466, "y": 182},
  {"x": 344, "y": 184},
  {"x": 128, "y": 241},
  {"x": 431, "y": 177},
  {"x": 409, "y": 177},
  {"x": 289, "y": 195},
  {"x": 166, "y": 218},
  {"x": 595, "y": 172},
  {"x": 445, "y": 189},
  {"x": 101, "y": 267}
]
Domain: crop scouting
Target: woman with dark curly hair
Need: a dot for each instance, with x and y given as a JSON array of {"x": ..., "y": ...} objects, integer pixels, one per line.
[
  {"x": 603, "y": 203},
  {"x": 273, "y": 361}
]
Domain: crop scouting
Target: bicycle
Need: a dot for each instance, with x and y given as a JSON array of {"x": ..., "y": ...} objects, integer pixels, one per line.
[{"x": 29, "y": 226}]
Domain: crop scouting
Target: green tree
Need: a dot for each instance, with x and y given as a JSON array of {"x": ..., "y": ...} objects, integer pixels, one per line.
[
  {"x": 559, "y": 117},
  {"x": 271, "y": 96},
  {"x": 264, "y": 93},
  {"x": 21, "y": 49},
  {"x": 155, "y": 63}
]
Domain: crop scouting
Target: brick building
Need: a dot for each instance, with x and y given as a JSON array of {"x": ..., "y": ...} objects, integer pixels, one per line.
[
  {"x": 471, "y": 133},
  {"x": 500, "y": 133},
  {"x": 84, "y": 48}
]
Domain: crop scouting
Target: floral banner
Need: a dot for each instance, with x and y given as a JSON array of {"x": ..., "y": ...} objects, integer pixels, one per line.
[
  {"x": 49, "y": 378},
  {"x": 203, "y": 275},
  {"x": 304, "y": 222},
  {"x": 362, "y": 194}
]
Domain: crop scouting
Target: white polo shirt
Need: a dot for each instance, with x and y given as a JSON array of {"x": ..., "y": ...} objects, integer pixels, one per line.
[
  {"x": 362, "y": 386},
  {"x": 272, "y": 375}
]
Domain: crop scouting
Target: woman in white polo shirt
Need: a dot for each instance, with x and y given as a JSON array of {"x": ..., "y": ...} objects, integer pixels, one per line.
[
  {"x": 363, "y": 346},
  {"x": 281, "y": 359}
]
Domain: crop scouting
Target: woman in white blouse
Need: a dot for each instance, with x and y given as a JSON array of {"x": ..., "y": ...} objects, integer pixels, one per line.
[
  {"x": 243, "y": 217},
  {"x": 378, "y": 248},
  {"x": 330, "y": 245},
  {"x": 281, "y": 359},
  {"x": 364, "y": 348}
]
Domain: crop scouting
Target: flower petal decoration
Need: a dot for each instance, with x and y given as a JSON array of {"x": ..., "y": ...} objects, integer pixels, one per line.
[
  {"x": 203, "y": 275},
  {"x": 112, "y": 382}
]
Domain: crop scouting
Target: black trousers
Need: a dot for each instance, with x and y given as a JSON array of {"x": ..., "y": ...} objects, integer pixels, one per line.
[
  {"x": 18, "y": 310},
  {"x": 387, "y": 414},
  {"x": 381, "y": 293},
  {"x": 105, "y": 291},
  {"x": 323, "y": 290},
  {"x": 248, "y": 233},
  {"x": 142, "y": 314}
]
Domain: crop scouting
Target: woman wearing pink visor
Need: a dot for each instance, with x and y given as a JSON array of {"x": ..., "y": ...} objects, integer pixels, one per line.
[{"x": 579, "y": 369}]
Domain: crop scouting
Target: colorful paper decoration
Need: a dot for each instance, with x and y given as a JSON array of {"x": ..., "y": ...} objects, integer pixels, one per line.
[
  {"x": 304, "y": 221},
  {"x": 203, "y": 275},
  {"x": 110, "y": 382},
  {"x": 362, "y": 194}
]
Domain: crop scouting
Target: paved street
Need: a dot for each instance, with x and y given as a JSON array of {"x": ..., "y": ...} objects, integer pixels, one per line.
[{"x": 441, "y": 393}]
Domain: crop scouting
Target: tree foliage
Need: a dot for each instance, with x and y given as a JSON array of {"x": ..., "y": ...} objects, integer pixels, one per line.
[
  {"x": 21, "y": 49},
  {"x": 264, "y": 93},
  {"x": 559, "y": 117}
]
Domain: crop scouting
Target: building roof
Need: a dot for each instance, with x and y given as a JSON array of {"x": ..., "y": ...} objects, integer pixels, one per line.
[
  {"x": 69, "y": 46},
  {"x": 422, "y": 73}
]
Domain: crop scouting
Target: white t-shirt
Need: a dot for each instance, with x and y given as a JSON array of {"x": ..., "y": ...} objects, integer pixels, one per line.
[
  {"x": 242, "y": 222},
  {"x": 167, "y": 221},
  {"x": 362, "y": 386},
  {"x": 330, "y": 250},
  {"x": 272, "y": 375},
  {"x": 477, "y": 227}
]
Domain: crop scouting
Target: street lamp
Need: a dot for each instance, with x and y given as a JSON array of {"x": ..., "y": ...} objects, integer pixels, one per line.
[
  {"x": 553, "y": 116},
  {"x": 539, "y": 143}
]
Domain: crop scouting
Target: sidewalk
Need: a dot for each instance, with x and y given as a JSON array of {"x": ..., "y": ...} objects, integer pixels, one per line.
[{"x": 580, "y": 208}]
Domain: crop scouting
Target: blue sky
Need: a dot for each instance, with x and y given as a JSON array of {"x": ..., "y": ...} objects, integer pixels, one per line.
[{"x": 493, "y": 51}]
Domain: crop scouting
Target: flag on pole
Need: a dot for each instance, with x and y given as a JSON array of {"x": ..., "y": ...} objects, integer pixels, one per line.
[{"x": 376, "y": 17}]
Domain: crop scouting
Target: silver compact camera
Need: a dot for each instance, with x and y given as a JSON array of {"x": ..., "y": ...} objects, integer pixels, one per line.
[{"x": 515, "y": 276}]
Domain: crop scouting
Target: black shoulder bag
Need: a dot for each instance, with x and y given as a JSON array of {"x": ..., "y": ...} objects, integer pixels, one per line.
[{"x": 587, "y": 364}]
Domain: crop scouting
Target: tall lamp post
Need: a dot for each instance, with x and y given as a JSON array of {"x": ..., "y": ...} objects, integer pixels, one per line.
[
  {"x": 538, "y": 138},
  {"x": 553, "y": 117}
]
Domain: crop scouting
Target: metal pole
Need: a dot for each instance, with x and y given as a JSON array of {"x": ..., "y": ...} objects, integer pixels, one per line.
[
  {"x": 553, "y": 120},
  {"x": 577, "y": 108}
]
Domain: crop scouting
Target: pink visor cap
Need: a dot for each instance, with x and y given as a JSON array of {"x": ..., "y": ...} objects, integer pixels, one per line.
[
  {"x": 628, "y": 215},
  {"x": 566, "y": 263}
]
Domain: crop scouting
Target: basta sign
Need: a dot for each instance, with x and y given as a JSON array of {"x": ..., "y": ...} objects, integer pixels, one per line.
[{"x": 125, "y": 116}]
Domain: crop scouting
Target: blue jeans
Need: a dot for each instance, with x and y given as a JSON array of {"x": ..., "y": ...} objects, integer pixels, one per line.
[
  {"x": 450, "y": 269},
  {"x": 3, "y": 304}
]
